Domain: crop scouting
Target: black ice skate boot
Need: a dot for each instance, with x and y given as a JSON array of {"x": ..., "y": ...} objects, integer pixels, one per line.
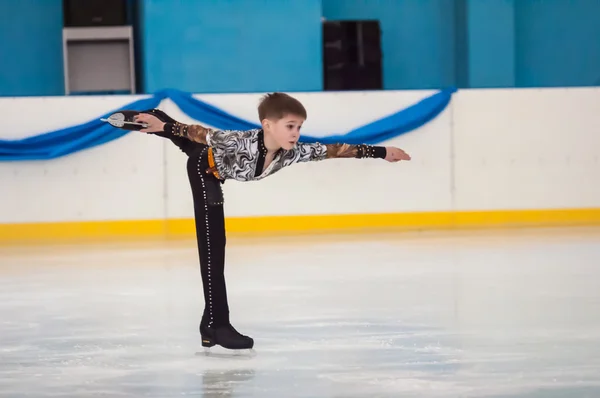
[
  {"x": 225, "y": 336},
  {"x": 123, "y": 119}
]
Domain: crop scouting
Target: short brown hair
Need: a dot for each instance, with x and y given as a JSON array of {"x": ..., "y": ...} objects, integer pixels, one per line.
[{"x": 278, "y": 105}]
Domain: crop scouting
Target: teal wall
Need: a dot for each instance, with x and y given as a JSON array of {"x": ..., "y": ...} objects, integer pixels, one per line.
[
  {"x": 491, "y": 40},
  {"x": 533, "y": 43},
  {"x": 232, "y": 45},
  {"x": 558, "y": 43},
  {"x": 31, "y": 60},
  {"x": 417, "y": 38},
  {"x": 268, "y": 45}
]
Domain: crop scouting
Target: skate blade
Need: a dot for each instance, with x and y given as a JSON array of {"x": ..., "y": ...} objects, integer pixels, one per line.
[{"x": 227, "y": 353}]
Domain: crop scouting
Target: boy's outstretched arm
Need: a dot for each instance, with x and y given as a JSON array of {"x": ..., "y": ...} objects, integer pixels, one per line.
[
  {"x": 391, "y": 154},
  {"x": 193, "y": 132}
]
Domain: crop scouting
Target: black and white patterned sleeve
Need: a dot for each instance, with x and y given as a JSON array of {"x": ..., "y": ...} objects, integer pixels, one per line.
[
  {"x": 304, "y": 152},
  {"x": 226, "y": 138}
]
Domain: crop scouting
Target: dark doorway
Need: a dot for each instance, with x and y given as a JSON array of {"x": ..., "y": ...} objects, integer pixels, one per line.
[{"x": 352, "y": 56}]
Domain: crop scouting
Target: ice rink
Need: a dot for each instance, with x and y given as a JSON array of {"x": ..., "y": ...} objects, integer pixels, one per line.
[{"x": 511, "y": 313}]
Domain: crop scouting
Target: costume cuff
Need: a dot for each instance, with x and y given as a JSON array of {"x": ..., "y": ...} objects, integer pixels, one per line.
[
  {"x": 371, "y": 151},
  {"x": 177, "y": 129}
]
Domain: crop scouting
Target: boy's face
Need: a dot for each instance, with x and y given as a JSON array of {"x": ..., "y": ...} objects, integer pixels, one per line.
[{"x": 285, "y": 131}]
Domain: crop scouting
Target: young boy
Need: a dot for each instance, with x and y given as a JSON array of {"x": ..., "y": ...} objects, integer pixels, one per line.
[{"x": 214, "y": 156}]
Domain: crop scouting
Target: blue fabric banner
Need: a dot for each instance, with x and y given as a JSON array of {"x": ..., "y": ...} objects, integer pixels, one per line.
[
  {"x": 69, "y": 140},
  {"x": 94, "y": 133}
]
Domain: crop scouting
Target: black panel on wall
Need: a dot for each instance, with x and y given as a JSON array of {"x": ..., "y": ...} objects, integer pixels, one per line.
[
  {"x": 79, "y": 13},
  {"x": 352, "y": 56}
]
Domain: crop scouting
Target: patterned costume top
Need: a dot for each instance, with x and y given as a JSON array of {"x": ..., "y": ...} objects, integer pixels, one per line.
[
  {"x": 240, "y": 155},
  {"x": 237, "y": 154}
]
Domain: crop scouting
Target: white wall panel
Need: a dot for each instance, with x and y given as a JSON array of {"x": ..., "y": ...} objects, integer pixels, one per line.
[
  {"x": 527, "y": 149},
  {"x": 123, "y": 179},
  {"x": 491, "y": 149}
]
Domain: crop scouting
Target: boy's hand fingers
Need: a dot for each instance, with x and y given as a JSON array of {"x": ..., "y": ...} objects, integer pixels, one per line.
[
  {"x": 403, "y": 155},
  {"x": 141, "y": 117}
]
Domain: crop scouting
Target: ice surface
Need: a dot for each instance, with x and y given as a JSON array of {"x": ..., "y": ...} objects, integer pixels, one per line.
[{"x": 494, "y": 314}]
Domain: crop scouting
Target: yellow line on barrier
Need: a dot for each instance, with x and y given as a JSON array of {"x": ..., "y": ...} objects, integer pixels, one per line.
[{"x": 178, "y": 228}]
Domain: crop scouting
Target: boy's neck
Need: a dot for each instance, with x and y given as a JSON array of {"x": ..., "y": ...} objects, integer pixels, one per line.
[{"x": 270, "y": 143}]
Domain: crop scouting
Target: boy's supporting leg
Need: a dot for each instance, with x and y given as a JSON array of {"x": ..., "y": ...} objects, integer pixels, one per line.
[
  {"x": 210, "y": 233},
  {"x": 209, "y": 215}
]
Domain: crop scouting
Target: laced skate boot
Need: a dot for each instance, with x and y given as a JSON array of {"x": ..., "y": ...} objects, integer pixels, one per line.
[{"x": 225, "y": 336}]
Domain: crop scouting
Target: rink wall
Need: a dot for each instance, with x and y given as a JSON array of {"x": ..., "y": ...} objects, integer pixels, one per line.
[{"x": 491, "y": 158}]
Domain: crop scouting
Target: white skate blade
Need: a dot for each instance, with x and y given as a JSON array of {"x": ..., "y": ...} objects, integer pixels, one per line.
[{"x": 220, "y": 352}]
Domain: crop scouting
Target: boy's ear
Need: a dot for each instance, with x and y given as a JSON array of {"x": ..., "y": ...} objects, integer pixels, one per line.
[{"x": 265, "y": 123}]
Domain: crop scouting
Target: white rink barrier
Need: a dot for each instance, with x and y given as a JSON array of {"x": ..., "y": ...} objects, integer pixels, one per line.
[{"x": 489, "y": 151}]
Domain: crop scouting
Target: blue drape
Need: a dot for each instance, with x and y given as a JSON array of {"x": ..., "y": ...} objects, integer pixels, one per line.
[
  {"x": 95, "y": 132},
  {"x": 69, "y": 140}
]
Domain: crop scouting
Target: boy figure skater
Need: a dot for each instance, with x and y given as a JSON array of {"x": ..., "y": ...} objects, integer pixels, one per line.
[{"x": 215, "y": 156}]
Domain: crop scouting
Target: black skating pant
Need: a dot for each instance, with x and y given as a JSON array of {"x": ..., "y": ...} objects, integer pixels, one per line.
[{"x": 210, "y": 233}]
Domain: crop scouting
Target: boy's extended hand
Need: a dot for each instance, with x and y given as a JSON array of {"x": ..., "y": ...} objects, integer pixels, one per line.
[
  {"x": 395, "y": 154},
  {"x": 154, "y": 123}
]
